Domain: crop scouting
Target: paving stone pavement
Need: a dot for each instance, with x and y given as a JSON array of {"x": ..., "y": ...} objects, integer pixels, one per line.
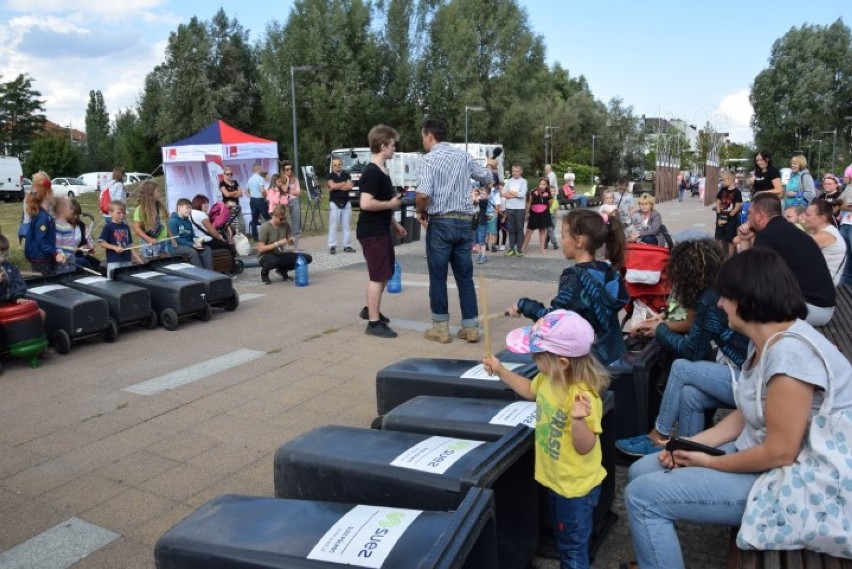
[{"x": 75, "y": 445}]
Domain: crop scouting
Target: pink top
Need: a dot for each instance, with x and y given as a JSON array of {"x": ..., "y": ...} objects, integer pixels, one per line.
[
  {"x": 294, "y": 190},
  {"x": 274, "y": 197}
]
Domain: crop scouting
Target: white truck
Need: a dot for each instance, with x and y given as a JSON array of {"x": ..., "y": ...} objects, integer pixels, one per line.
[
  {"x": 404, "y": 167},
  {"x": 11, "y": 179}
]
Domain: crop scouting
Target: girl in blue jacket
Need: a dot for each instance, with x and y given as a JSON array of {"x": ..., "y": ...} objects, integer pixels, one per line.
[{"x": 40, "y": 247}]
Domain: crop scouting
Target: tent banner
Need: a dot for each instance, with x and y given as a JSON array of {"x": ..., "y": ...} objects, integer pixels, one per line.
[{"x": 241, "y": 151}]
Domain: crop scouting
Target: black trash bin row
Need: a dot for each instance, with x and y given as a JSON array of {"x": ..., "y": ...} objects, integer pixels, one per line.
[
  {"x": 81, "y": 305},
  {"x": 445, "y": 436}
]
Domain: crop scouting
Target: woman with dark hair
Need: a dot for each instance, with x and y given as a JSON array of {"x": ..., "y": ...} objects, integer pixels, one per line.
[
  {"x": 781, "y": 387},
  {"x": 766, "y": 178},
  {"x": 211, "y": 237},
  {"x": 821, "y": 225}
]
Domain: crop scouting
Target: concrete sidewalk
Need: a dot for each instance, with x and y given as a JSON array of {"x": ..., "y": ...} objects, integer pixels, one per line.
[{"x": 85, "y": 452}]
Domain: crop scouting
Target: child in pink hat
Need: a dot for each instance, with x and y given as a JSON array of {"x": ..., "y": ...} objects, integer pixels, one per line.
[{"x": 568, "y": 421}]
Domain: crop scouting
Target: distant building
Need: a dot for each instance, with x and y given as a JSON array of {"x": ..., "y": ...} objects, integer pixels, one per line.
[{"x": 76, "y": 136}]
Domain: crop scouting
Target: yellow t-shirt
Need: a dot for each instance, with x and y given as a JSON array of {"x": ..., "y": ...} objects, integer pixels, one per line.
[
  {"x": 164, "y": 230},
  {"x": 558, "y": 465}
]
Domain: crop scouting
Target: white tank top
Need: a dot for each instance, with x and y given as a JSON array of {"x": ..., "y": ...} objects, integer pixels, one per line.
[{"x": 835, "y": 254}]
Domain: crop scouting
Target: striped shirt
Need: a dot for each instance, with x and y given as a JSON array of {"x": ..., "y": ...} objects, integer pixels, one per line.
[{"x": 445, "y": 174}]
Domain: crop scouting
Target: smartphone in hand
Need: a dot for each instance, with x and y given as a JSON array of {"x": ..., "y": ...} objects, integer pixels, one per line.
[{"x": 677, "y": 443}]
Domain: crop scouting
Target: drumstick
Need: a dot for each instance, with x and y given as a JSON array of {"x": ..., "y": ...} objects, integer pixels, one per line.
[
  {"x": 486, "y": 322},
  {"x": 88, "y": 270},
  {"x": 147, "y": 244}
]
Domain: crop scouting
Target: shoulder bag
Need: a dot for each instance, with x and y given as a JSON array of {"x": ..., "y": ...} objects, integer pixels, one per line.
[{"x": 806, "y": 505}]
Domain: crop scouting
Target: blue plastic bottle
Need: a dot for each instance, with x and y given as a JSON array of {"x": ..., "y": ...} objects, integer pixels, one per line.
[
  {"x": 395, "y": 282},
  {"x": 301, "y": 270}
]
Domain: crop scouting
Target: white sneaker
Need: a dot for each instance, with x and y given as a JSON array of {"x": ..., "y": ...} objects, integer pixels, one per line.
[{"x": 502, "y": 248}]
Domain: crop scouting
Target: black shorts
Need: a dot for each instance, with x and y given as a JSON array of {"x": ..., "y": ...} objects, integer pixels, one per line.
[{"x": 379, "y": 254}]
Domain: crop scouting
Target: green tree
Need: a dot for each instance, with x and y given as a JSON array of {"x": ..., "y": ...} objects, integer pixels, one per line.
[
  {"x": 484, "y": 53},
  {"x": 805, "y": 90},
  {"x": 149, "y": 111},
  {"x": 130, "y": 148},
  {"x": 98, "y": 150},
  {"x": 21, "y": 115},
  {"x": 233, "y": 74},
  {"x": 54, "y": 154},
  {"x": 187, "y": 102},
  {"x": 335, "y": 105}
]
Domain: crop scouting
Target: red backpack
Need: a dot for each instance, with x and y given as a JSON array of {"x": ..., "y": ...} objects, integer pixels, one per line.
[
  {"x": 219, "y": 215},
  {"x": 105, "y": 201}
]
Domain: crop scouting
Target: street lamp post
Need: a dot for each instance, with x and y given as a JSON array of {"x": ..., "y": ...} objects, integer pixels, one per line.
[
  {"x": 467, "y": 109},
  {"x": 833, "y": 134},
  {"x": 548, "y": 137},
  {"x": 293, "y": 70},
  {"x": 819, "y": 155},
  {"x": 592, "y": 174}
]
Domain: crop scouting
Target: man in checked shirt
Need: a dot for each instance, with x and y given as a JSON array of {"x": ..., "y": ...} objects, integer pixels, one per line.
[{"x": 445, "y": 208}]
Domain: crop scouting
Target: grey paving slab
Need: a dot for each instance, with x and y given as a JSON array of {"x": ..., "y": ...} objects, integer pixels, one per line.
[{"x": 59, "y": 547}]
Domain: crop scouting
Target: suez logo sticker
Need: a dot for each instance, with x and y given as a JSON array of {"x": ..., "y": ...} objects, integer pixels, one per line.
[
  {"x": 435, "y": 454},
  {"x": 518, "y": 413},
  {"x": 364, "y": 537}
]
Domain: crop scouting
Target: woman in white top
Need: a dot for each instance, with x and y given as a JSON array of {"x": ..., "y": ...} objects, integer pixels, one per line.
[{"x": 819, "y": 222}]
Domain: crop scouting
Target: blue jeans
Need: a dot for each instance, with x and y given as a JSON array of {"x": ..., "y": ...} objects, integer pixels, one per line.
[
  {"x": 656, "y": 498},
  {"x": 692, "y": 388},
  {"x": 259, "y": 208},
  {"x": 572, "y": 526},
  {"x": 584, "y": 200},
  {"x": 846, "y": 233},
  {"x": 448, "y": 243},
  {"x": 680, "y": 193},
  {"x": 481, "y": 232}
]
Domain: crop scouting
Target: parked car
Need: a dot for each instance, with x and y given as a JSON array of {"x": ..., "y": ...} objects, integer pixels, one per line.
[
  {"x": 26, "y": 185},
  {"x": 72, "y": 187},
  {"x": 136, "y": 177}
]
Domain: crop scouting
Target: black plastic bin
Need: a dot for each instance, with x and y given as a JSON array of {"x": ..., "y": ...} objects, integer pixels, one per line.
[
  {"x": 72, "y": 315},
  {"x": 128, "y": 304},
  {"x": 219, "y": 288},
  {"x": 472, "y": 419},
  {"x": 172, "y": 297},
  {"x": 633, "y": 380},
  {"x": 343, "y": 464},
  {"x": 237, "y": 532},
  {"x": 404, "y": 380}
]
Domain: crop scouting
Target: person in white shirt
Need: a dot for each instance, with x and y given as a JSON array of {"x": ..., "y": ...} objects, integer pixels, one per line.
[{"x": 515, "y": 197}]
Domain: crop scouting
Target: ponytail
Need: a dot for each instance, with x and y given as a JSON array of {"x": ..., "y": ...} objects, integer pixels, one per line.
[{"x": 615, "y": 242}]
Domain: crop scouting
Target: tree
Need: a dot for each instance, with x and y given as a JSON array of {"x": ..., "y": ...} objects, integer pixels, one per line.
[
  {"x": 336, "y": 105},
  {"x": 805, "y": 90},
  {"x": 187, "y": 102},
  {"x": 21, "y": 115},
  {"x": 98, "y": 153},
  {"x": 233, "y": 74},
  {"x": 131, "y": 150},
  {"x": 54, "y": 154}
]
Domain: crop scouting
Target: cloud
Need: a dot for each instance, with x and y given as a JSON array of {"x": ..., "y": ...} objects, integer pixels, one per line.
[
  {"x": 733, "y": 115},
  {"x": 59, "y": 44},
  {"x": 112, "y": 10}
]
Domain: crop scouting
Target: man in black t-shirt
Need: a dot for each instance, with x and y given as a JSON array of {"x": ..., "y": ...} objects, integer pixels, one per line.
[
  {"x": 767, "y": 228},
  {"x": 339, "y": 209}
]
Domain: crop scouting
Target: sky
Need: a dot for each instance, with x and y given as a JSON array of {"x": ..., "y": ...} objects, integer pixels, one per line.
[{"x": 690, "y": 60}]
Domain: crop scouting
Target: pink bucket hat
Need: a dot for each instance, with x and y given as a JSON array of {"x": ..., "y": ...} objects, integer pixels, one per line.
[{"x": 560, "y": 332}]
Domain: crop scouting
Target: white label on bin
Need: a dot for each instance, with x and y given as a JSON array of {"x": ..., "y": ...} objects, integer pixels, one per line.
[
  {"x": 181, "y": 266},
  {"x": 147, "y": 274},
  {"x": 517, "y": 413},
  {"x": 435, "y": 454},
  {"x": 364, "y": 537},
  {"x": 92, "y": 280},
  {"x": 44, "y": 289},
  {"x": 478, "y": 372}
]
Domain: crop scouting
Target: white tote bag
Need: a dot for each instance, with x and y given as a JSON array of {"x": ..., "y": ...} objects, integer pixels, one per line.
[{"x": 808, "y": 504}]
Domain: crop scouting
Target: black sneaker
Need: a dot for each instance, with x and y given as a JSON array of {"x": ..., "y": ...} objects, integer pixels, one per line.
[
  {"x": 332, "y": 250},
  {"x": 365, "y": 315},
  {"x": 349, "y": 250},
  {"x": 264, "y": 277},
  {"x": 380, "y": 329}
]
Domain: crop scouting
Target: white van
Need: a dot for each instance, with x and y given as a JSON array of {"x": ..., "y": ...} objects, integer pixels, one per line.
[
  {"x": 99, "y": 180},
  {"x": 136, "y": 177},
  {"x": 11, "y": 179}
]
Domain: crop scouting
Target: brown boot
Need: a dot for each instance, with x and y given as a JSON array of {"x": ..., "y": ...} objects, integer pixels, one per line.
[
  {"x": 470, "y": 334},
  {"x": 440, "y": 332}
]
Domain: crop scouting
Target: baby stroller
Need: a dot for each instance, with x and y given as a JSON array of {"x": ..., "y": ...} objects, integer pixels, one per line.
[{"x": 645, "y": 277}]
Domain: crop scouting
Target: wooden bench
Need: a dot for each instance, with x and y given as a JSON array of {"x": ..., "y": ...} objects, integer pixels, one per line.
[
  {"x": 222, "y": 261},
  {"x": 795, "y": 559},
  {"x": 839, "y": 330}
]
